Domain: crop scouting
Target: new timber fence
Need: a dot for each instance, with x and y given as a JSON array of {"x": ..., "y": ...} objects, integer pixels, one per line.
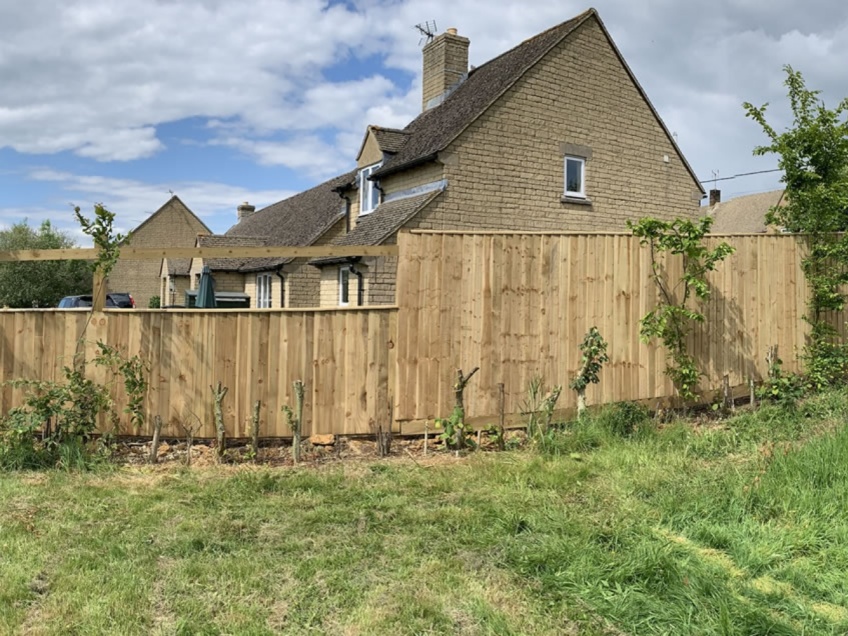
[{"x": 516, "y": 305}]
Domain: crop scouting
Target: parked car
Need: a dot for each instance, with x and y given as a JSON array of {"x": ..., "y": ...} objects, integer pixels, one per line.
[{"x": 121, "y": 300}]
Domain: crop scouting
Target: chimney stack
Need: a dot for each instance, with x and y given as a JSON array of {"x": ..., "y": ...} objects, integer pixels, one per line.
[
  {"x": 245, "y": 209},
  {"x": 715, "y": 197},
  {"x": 445, "y": 66}
]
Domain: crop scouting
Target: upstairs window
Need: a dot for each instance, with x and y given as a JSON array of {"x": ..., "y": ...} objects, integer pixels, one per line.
[
  {"x": 369, "y": 195},
  {"x": 575, "y": 177},
  {"x": 263, "y": 291}
]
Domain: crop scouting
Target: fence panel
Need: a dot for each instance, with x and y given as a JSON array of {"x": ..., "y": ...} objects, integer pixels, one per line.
[
  {"x": 343, "y": 356},
  {"x": 518, "y": 305}
]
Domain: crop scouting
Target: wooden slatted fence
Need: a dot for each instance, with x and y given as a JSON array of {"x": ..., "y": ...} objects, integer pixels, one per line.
[
  {"x": 517, "y": 305},
  {"x": 343, "y": 356}
]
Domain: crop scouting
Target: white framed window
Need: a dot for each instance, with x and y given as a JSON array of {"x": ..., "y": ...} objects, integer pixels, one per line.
[
  {"x": 344, "y": 286},
  {"x": 575, "y": 177},
  {"x": 263, "y": 291},
  {"x": 369, "y": 195}
]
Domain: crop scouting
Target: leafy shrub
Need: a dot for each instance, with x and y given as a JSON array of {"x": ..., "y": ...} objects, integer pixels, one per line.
[
  {"x": 154, "y": 303},
  {"x": 780, "y": 388},
  {"x": 624, "y": 419},
  {"x": 826, "y": 364},
  {"x": 20, "y": 449},
  {"x": 70, "y": 409}
]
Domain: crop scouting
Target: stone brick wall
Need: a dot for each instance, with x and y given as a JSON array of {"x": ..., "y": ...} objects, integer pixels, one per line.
[
  {"x": 173, "y": 225},
  {"x": 180, "y": 285},
  {"x": 329, "y": 286},
  {"x": 371, "y": 152},
  {"x": 381, "y": 280},
  {"x": 422, "y": 175}
]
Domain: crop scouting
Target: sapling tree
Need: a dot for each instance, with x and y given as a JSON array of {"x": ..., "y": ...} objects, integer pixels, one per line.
[
  {"x": 105, "y": 239},
  {"x": 295, "y": 419},
  {"x": 219, "y": 392},
  {"x": 455, "y": 427},
  {"x": 594, "y": 349},
  {"x": 813, "y": 155},
  {"x": 672, "y": 319}
]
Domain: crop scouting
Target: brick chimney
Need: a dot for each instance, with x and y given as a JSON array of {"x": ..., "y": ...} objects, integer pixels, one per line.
[
  {"x": 245, "y": 209},
  {"x": 715, "y": 197},
  {"x": 445, "y": 66}
]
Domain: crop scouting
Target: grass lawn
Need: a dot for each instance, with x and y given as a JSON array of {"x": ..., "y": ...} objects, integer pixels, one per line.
[{"x": 732, "y": 529}]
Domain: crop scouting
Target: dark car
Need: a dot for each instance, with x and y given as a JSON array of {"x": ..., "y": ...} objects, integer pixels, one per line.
[{"x": 115, "y": 299}]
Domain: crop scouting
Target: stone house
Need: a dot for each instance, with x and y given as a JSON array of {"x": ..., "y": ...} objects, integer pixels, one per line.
[
  {"x": 555, "y": 134},
  {"x": 172, "y": 225}
]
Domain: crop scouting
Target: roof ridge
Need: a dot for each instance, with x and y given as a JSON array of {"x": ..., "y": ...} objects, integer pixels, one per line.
[
  {"x": 577, "y": 19},
  {"x": 387, "y": 129}
]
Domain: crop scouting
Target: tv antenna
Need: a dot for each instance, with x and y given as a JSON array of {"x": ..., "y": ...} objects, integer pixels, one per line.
[{"x": 427, "y": 31}]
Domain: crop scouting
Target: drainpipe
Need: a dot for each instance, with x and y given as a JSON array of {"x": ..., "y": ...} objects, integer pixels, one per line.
[
  {"x": 380, "y": 190},
  {"x": 347, "y": 209},
  {"x": 360, "y": 284},
  {"x": 279, "y": 273}
]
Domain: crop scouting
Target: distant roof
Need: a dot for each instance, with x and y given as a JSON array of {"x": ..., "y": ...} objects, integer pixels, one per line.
[
  {"x": 186, "y": 210},
  {"x": 219, "y": 240},
  {"x": 744, "y": 215},
  {"x": 379, "y": 225},
  {"x": 178, "y": 266},
  {"x": 296, "y": 221},
  {"x": 434, "y": 129}
]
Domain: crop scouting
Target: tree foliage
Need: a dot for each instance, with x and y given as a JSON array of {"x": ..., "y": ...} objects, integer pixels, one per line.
[
  {"x": 39, "y": 283},
  {"x": 813, "y": 155},
  {"x": 105, "y": 239},
  {"x": 594, "y": 349},
  {"x": 675, "y": 313}
]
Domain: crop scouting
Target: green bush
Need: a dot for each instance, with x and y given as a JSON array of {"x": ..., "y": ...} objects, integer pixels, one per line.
[
  {"x": 20, "y": 448},
  {"x": 154, "y": 303},
  {"x": 826, "y": 365},
  {"x": 624, "y": 419},
  {"x": 784, "y": 390}
]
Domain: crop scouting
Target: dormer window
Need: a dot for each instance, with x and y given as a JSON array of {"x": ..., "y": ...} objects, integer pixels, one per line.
[{"x": 369, "y": 195}]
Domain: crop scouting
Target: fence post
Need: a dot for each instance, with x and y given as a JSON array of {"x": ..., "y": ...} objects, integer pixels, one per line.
[{"x": 98, "y": 291}]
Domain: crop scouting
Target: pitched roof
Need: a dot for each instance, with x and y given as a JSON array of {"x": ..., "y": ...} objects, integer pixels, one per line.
[
  {"x": 296, "y": 221},
  {"x": 178, "y": 266},
  {"x": 219, "y": 240},
  {"x": 380, "y": 224},
  {"x": 434, "y": 129},
  {"x": 390, "y": 140},
  {"x": 744, "y": 215}
]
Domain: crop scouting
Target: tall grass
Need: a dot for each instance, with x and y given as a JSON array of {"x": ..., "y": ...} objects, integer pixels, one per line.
[{"x": 617, "y": 525}]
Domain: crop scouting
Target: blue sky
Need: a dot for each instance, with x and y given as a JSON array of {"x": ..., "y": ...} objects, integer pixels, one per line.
[{"x": 224, "y": 102}]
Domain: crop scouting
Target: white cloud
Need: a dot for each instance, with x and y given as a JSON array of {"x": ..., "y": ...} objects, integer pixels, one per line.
[
  {"x": 133, "y": 201},
  {"x": 99, "y": 78}
]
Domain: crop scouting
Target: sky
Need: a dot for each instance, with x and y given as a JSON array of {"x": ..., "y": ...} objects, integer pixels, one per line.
[{"x": 222, "y": 102}]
